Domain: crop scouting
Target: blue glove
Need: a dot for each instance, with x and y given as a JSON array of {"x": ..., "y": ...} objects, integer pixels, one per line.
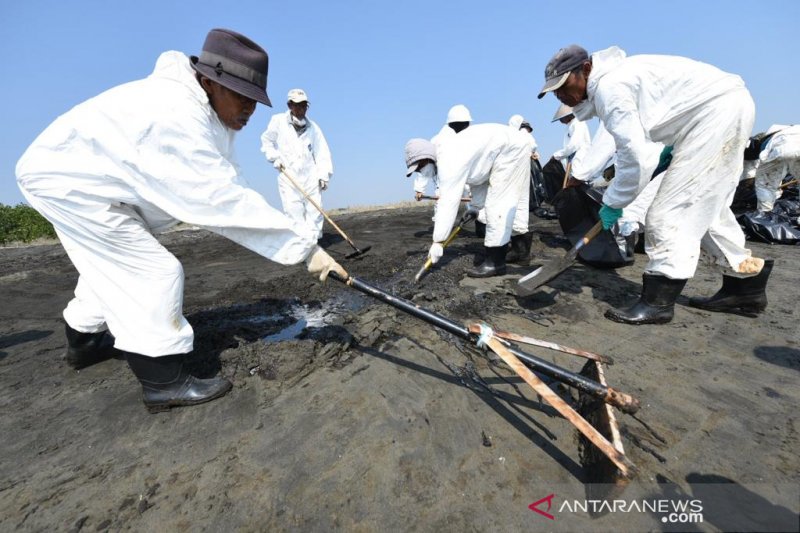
[{"x": 609, "y": 216}]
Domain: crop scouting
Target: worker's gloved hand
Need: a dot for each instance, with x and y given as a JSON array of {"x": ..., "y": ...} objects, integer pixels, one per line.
[
  {"x": 320, "y": 264},
  {"x": 278, "y": 164},
  {"x": 609, "y": 216},
  {"x": 418, "y": 196},
  {"x": 436, "y": 252},
  {"x": 323, "y": 185},
  {"x": 599, "y": 182},
  {"x": 664, "y": 159}
]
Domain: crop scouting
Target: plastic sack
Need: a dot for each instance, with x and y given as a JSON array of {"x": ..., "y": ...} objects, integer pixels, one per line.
[{"x": 578, "y": 209}]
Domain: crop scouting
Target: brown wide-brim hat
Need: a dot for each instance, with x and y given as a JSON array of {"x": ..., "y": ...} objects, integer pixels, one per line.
[{"x": 235, "y": 62}]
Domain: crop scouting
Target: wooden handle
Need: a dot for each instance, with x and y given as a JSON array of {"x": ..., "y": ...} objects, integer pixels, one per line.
[
  {"x": 301, "y": 191},
  {"x": 592, "y": 233},
  {"x": 436, "y": 198},
  {"x": 624, "y": 464},
  {"x": 566, "y": 174},
  {"x": 475, "y": 328}
]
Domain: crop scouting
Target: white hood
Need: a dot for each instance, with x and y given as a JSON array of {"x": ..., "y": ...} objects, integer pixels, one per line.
[{"x": 603, "y": 62}]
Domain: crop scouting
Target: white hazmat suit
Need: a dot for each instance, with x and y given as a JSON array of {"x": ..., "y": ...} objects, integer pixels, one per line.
[
  {"x": 130, "y": 162},
  {"x": 494, "y": 160},
  {"x": 306, "y": 156},
  {"x": 706, "y": 115},
  {"x": 576, "y": 141},
  {"x": 779, "y": 157}
]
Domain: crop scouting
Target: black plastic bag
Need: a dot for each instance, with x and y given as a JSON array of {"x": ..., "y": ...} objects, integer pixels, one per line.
[
  {"x": 773, "y": 227},
  {"x": 578, "y": 210},
  {"x": 552, "y": 179},
  {"x": 537, "y": 194}
]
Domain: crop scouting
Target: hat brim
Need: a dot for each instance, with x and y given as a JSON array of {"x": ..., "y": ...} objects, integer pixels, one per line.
[
  {"x": 237, "y": 85},
  {"x": 413, "y": 168},
  {"x": 553, "y": 83}
]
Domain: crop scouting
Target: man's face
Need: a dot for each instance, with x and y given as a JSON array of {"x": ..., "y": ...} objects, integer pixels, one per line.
[
  {"x": 573, "y": 91},
  {"x": 233, "y": 109},
  {"x": 298, "y": 109}
]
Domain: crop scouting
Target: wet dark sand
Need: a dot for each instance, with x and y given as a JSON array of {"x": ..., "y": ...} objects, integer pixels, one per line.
[{"x": 371, "y": 420}]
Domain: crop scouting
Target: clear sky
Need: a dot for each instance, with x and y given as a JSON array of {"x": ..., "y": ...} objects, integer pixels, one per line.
[{"x": 378, "y": 73}]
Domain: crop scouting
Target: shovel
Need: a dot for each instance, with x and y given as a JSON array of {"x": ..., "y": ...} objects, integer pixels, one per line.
[
  {"x": 358, "y": 251},
  {"x": 465, "y": 219},
  {"x": 529, "y": 283}
]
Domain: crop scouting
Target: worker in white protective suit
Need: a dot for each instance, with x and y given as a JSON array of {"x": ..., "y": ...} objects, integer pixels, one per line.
[
  {"x": 576, "y": 139},
  {"x": 518, "y": 122},
  {"x": 706, "y": 115},
  {"x": 458, "y": 119},
  {"x": 495, "y": 161},
  {"x": 133, "y": 161},
  {"x": 294, "y": 143},
  {"x": 420, "y": 156},
  {"x": 778, "y": 157}
]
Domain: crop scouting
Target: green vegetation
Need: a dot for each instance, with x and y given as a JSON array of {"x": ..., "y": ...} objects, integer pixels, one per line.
[{"x": 22, "y": 223}]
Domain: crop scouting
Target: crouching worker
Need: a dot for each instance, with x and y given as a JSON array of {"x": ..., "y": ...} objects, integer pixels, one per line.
[
  {"x": 706, "y": 115},
  {"x": 133, "y": 161},
  {"x": 494, "y": 160}
]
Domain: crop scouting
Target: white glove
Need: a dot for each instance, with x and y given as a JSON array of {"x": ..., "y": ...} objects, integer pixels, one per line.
[
  {"x": 323, "y": 185},
  {"x": 599, "y": 182},
  {"x": 320, "y": 263},
  {"x": 436, "y": 252},
  {"x": 277, "y": 164}
]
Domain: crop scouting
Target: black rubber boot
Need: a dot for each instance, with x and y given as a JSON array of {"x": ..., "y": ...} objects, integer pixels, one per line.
[
  {"x": 86, "y": 349},
  {"x": 656, "y": 305},
  {"x": 166, "y": 384},
  {"x": 493, "y": 265},
  {"x": 741, "y": 296},
  {"x": 520, "y": 253},
  {"x": 480, "y": 229}
]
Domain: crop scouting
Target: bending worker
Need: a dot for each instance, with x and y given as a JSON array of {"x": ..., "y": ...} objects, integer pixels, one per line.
[
  {"x": 294, "y": 141},
  {"x": 779, "y": 156},
  {"x": 133, "y": 161},
  {"x": 494, "y": 160},
  {"x": 706, "y": 115},
  {"x": 458, "y": 119}
]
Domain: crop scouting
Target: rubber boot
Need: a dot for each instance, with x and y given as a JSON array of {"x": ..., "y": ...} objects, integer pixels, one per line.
[
  {"x": 493, "y": 265},
  {"x": 520, "y": 253},
  {"x": 480, "y": 229},
  {"x": 656, "y": 305},
  {"x": 741, "y": 296},
  {"x": 166, "y": 383},
  {"x": 86, "y": 349}
]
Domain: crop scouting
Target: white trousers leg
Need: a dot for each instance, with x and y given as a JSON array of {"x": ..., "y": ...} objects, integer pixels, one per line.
[
  {"x": 127, "y": 279},
  {"x": 313, "y": 217},
  {"x": 296, "y": 207},
  {"x": 506, "y": 183},
  {"x": 521, "y": 217},
  {"x": 692, "y": 206},
  {"x": 84, "y": 312}
]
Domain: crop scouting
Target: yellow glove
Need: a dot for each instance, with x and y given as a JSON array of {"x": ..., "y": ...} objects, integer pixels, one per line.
[{"x": 320, "y": 264}]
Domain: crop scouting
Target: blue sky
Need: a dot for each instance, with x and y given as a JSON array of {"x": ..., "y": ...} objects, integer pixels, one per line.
[{"x": 378, "y": 73}]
